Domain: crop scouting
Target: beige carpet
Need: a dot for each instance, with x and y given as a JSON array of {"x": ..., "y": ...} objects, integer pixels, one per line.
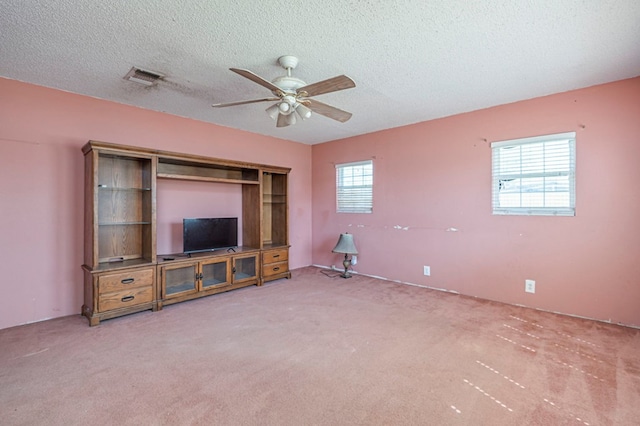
[{"x": 316, "y": 350}]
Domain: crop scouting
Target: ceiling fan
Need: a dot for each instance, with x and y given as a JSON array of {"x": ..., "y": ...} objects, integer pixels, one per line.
[{"x": 293, "y": 95}]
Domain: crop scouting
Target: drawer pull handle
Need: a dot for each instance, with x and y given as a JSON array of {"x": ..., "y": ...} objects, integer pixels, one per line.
[
  {"x": 127, "y": 298},
  {"x": 127, "y": 281},
  {"x": 277, "y": 268},
  {"x": 276, "y": 255}
]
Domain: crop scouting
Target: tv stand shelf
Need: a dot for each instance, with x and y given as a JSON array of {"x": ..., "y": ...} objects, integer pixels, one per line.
[{"x": 123, "y": 273}]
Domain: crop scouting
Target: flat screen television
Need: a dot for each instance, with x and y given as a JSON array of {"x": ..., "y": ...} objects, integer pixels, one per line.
[{"x": 208, "y": 234}]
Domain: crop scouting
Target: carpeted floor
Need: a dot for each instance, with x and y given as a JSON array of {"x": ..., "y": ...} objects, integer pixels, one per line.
[{"x": 316, "y": 350}]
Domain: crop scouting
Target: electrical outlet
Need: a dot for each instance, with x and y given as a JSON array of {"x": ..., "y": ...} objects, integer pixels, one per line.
[
  {"x": 427, "y": 270},
  {"x": 354, "y": 260},
  {"x": 530, "y": 286}
]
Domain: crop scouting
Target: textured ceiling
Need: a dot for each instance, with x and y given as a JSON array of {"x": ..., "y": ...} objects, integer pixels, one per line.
[{"x": 412, "y": 60}]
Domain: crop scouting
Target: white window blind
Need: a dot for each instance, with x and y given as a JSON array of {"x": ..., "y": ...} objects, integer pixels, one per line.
[
  {"x": 354, "y": 187},
  {"x": 534, "y": 176}
]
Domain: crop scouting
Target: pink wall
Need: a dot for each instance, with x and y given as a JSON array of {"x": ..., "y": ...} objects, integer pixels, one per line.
[
  {"x": 180, "y": 199},
  {"x": 41, "y": 188},
  {"x": 433, "y": 177},
  {"x": 429, "y": 178}
]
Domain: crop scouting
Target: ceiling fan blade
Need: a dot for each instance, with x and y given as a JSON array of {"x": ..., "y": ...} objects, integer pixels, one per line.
[
  {"x": 334, "y": 84},
  {"x": 282, "y": 121},
  {"x": 327, "y": 110},
  {"x": 245, "y": 102},
  {"x": 257, "y": 79}
]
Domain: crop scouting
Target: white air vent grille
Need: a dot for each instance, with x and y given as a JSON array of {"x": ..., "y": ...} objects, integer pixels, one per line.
[{"x": 138, "y": 75}]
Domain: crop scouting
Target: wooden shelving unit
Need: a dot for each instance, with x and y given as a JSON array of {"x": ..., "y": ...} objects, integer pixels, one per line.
[
  {"x": 275, "y": 259},
  {"x": 123, "y": 273}
]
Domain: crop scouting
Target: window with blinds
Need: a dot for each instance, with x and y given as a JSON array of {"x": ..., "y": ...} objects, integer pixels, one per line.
[
  {"x": 534, "y": 176},
  {"x": 354, "y": 187}
]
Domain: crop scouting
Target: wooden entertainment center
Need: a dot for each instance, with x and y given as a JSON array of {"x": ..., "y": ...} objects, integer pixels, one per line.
[{"x": 124, "y": 274}]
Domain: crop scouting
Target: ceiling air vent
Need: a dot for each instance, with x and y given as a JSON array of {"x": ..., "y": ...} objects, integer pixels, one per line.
[{"x": 138, "y": 75}]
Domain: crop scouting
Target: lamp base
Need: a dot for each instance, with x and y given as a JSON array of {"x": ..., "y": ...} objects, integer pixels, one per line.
[{"x": 346, "y": 263}]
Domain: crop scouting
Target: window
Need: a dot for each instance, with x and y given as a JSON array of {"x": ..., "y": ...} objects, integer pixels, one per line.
[
  {"x": 535, "y": 176},
  {"x": 354, "y": 187}
]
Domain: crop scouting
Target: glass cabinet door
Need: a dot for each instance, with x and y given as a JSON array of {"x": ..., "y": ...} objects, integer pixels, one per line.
[
  {"x": 179, "y": 279},
  {"x": 245, "y": 268},
  {"x": 215, "y": 273}
]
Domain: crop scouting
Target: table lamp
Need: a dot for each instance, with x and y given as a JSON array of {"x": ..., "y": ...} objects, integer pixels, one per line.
[{"x": 345, "y": 245}]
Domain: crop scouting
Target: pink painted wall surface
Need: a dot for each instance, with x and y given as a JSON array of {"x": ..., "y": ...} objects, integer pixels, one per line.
[
  {"x": 177, "y": 200},
  {"x": 432, "y": 206},
  {"x": 41, "y": 188}
]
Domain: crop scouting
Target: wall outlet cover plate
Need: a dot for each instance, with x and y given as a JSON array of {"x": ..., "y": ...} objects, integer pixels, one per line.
[{"x": 530, "y": 286}]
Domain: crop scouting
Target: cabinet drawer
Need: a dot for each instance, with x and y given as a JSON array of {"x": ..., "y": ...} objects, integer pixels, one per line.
[
  {"x": 125, "y": 280},
  {"x": 125, "y": 298},
  {"x": 274, "y": 268},
  {"x": 275, "y": 256}
]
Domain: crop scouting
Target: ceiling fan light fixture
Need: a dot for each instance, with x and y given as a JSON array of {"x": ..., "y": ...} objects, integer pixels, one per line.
[
  {"x": 273, "y": 111},
  {"x": 290, "y": 119},
  {"x": 288, "y": 104},
  {"x": 303, "y": 111},
  {"x": 284, "y": 107}
]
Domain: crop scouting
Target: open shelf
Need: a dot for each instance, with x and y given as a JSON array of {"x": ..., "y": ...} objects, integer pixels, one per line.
[
  {"x": 190, "y": 170},
  {"x": 274, "y": 209}
]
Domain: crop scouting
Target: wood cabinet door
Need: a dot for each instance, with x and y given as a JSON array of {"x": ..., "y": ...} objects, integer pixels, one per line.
[
  {"x": 179, "y": 279},
  {"x": 245, "y": 268},
  {"x": 215, "y": 274}
]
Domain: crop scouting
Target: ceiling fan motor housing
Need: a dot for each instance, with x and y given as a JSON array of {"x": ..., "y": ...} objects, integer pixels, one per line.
[{"x": 289, "y": 84}]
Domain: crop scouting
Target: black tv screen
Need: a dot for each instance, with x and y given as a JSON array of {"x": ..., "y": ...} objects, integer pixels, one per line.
[{"x": 207, "y": 234}]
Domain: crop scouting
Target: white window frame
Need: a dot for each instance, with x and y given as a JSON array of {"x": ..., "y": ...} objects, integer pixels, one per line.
[
  {"x": 354, "y": 187},
  {"x": 549, "y": 163}
]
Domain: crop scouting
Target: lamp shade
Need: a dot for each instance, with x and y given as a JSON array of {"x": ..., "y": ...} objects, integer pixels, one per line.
[
  {"x": 345, "y": 245},
  {"x": 273, "y": 111},
  {"x": 303, "y": 111},
  {"x": 290, "y": 119}
]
